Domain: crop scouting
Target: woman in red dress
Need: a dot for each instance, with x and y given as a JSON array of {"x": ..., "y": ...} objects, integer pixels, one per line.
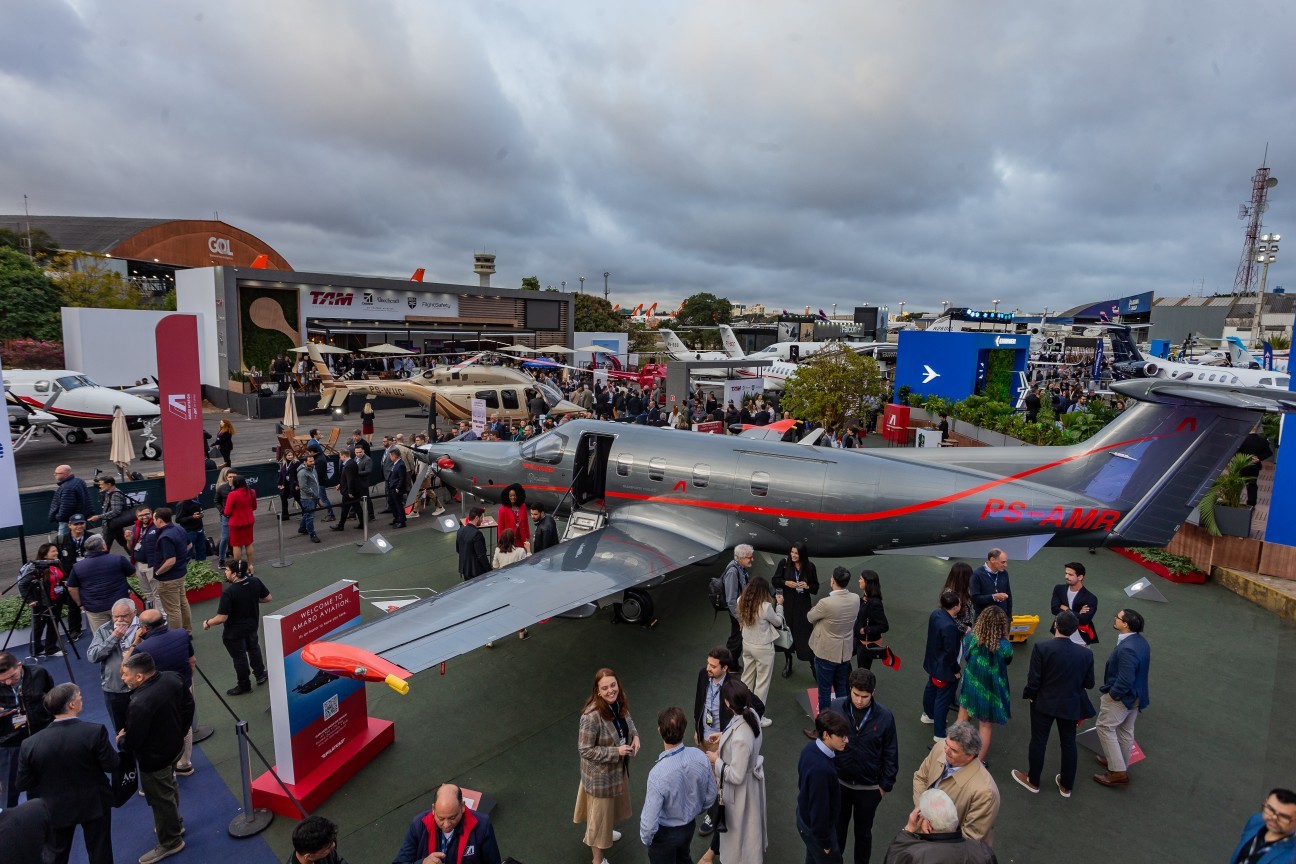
[
  {"x": 240, "y": 507},
  {"x": 513, "y": 514}
]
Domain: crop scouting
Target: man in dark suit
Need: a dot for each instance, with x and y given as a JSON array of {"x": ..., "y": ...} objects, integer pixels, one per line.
[
  {"x": 470, "y": 543},
  {"x": 941, "y": 662},
  {"x": 349, "y": 487},
  {"x": 1072, "y": 596},
  {"x": 1060, "y": 673},
  {"x": 364, "y": 476},
  {"x": 397, "y": 487},
  {"x": 66, "y": 765},
  {"x": 710, "y": 714},
  {"x": 990, "y": 585},
  {"x": 22, "y": 713},
  {"x": 1125, "y": 685},
  {"x": 545, "y": 532},
  {"x": 25, "y": 830}
]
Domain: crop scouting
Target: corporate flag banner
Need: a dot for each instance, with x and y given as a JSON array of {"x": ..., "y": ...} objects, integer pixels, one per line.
[
  {"x": 313, "y": 713},
  {"x": 180, "y": 401},
  {"x": 10, "y": 509}
]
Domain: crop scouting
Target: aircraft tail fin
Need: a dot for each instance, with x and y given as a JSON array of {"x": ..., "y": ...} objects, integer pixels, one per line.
[
  {"x": 1123, "y": 348},
  {"x": 730, "y": 342},
  {"x": 674, "y": 344},
  {"x": 418, "y": 275},
  {"x": 1155, "y": 462},
  {"x": 317, "y": 359}
]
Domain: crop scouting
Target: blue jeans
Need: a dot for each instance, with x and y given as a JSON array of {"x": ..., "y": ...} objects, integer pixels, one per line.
[
  {"x": 815, "y": 853},
  {"x": 831, "y": 678},
  {"x": 937, "y": 702},
  {"x": 222, "y": 548},
  {"x": 324, "y": 499},
  {"x": 198, "y": 539},
  {"x": 307, "y": 524}
]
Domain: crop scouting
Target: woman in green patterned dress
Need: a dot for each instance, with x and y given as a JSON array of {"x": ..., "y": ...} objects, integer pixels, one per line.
[{"x": 985, "y": 696}]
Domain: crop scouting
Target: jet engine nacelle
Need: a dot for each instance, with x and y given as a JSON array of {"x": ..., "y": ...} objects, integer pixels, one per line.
[{"x": 1139, "y": 369}]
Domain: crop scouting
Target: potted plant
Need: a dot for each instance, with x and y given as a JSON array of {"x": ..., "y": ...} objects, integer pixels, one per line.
[{"x": 1222, "y": 511}]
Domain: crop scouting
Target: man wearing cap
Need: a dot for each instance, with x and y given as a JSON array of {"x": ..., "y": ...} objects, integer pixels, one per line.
[
  {"x": 70, "y": 496},
  {"x": 71, "y": 550}
]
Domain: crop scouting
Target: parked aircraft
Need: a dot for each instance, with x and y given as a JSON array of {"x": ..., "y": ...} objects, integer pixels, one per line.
[
  {"x": 679, "y": 351},
  {"x": 1129, "y": 362},
  {"x": 780, "y": 354},
  {"x": 505, "y": 390},
  {"x": 648, "y": 502},
  {"x": 79, "y": 405},
  {"x": 26, "y": 423}
]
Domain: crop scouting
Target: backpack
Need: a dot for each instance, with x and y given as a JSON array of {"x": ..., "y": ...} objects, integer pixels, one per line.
[{"x": 716, "y": 594}]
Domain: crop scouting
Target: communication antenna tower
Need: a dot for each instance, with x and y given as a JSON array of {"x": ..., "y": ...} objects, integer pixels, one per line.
[{"x": 1253, "y": 212}]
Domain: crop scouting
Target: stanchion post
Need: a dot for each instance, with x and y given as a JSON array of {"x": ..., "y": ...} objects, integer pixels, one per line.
[
  {"x": 279, "y": 527},
  {"x": 364, "y": 518},
  {"x": 250, "y": 821}
]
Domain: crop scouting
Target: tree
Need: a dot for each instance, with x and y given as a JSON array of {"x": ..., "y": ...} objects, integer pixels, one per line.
[
  {"x": 642, "y": 340},
  {"x": 834, "y": 385},
  {"x": 29, "y": 302},
  {"x": 530, "y": 283},
  {"x": 704, "y": 310},
  {"x": 43, "y": 245},
  {"x": 595, "y": 315},
  {"x": 84, "y": 282}
]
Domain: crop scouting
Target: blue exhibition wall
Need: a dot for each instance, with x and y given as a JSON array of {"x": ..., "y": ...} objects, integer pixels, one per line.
[
  {"x": 1281, "y": 527},
  {"x": 952, "y": 365}
]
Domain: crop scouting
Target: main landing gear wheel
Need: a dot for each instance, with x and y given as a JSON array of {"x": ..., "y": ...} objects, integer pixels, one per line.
[
  {"x": 151, "y": 452},
  {"x": 636, "y": 607},
  {"x": 78, "y": 436}
]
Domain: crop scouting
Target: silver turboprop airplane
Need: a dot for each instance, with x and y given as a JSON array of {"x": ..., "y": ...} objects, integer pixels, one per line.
[{"x": 647, "y": 502}]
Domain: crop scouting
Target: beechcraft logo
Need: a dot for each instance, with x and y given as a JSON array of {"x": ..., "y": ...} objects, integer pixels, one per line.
[{"x": 183, "y": 405}]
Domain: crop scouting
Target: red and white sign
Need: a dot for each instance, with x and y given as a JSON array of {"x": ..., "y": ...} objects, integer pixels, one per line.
[
  {"x": 313, "y": 713},
  {"x": 180, "y": 395},
  {"x": 895, "y": 425}
]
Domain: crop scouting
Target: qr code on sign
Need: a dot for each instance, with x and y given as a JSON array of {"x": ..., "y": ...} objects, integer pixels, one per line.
[{"x": 331, "y": 707}]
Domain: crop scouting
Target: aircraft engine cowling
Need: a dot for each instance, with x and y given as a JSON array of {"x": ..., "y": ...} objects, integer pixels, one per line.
[{"x": 1149, "y": 370}]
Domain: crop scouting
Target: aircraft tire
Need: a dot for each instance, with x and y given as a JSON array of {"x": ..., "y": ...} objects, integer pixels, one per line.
[
  {"x": 150, "y": 452},
  {"x": 636, "y": 607},
  {"x": 78, "y": 436}
]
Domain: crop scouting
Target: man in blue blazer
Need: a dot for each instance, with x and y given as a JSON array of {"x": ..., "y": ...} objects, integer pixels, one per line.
[
  {"x": 990, "y": 585},
  {"x": 1060, "y": 673},
  {"x": 941, "y": 662},
  {"x": 1125, "y": 689},
  {"x": 1270, "y": 835}
]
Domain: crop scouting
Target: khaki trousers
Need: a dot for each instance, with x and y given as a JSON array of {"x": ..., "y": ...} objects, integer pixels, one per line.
[
  {"x": 98, "y": 619},
  {"x": 171, "y": 594},
  {"x": 758, "y": 668},
  {"x": 1116, "y": 732},
  {"x": 148, "y": 585}
]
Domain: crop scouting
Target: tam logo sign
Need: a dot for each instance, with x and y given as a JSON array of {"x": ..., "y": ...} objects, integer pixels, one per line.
[
  {"x": 331, "y": 298},
  {"x": 220, "y": 246}
]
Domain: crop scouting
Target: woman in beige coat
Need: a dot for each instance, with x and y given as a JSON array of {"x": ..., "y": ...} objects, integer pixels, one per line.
[
  {"x": 760, "y": 624},
  {"x": 607, "y": 741},
  {"x": 740, "y": 769}
]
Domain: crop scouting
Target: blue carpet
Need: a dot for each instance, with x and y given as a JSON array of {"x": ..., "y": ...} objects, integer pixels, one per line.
[{"x": 206, "y": 803}]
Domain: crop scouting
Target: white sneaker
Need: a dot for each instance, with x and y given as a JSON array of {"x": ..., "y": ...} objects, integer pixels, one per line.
[
  {"x": 616, "y": 835},
  {"x": 925, "y": 719},
  {"x": 936, "y": 740},
  {"x": 766, "y": 722}
]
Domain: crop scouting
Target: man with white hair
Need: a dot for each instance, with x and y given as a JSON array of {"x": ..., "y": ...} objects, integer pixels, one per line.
[
  {"x": 932, "y": 836},
  {"x": 109, "y": 641},
  {"x": 735, "y": 578}
]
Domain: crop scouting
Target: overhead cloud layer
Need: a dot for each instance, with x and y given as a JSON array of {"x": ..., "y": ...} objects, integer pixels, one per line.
[{"x": 831, "y": 153}]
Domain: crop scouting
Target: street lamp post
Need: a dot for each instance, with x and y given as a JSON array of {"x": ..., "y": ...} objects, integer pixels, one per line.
[
  {"x": 944, "y": 305},
  {"x": 582, "y": 280},
  {"x": 996, "y": 304},
  {"x": 564, "y": 286},
  {"x": 1266, "y": 254},
  {"x": 901, "y": 316},
  {"x": 606, "y": 274}
]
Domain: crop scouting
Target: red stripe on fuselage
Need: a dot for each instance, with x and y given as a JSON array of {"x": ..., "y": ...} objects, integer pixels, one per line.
[{"x": 827, "y": 516}]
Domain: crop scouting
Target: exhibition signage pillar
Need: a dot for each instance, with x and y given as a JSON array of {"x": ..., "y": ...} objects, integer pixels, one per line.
[
  {"x": 10, "y": 507},
  {"x": 180, "y": 401},
  {"x": 323, "y": 733}
]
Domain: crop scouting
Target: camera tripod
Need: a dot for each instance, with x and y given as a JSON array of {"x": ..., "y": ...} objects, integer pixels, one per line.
[{"x": 47, "y": 612}]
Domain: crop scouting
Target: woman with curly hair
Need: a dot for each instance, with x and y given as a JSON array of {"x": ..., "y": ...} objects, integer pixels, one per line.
[
  {"x": 607, "y": 741},
  {"x": 760, "y": 624},
  {"x": 513, "y": 514},
  {"x": 985, "y": 697}
]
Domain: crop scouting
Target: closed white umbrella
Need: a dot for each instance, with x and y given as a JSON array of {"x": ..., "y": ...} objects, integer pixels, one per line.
[
  {"x": 290, "y": 418},
  {"x": 122, "y": 452}
]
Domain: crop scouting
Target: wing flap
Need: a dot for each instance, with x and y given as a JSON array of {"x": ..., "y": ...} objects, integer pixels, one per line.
[{"x": 584, "y": 570}]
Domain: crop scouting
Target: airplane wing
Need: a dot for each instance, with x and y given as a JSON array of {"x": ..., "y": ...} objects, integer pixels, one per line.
[{"x": 549, "y": 583}]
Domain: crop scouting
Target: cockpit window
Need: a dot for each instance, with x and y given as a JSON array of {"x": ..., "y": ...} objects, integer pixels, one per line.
[
  {"x": 72, "y": 382},
  {"x": 550, "y": 393},
  {"x": 547, "y": 449}
]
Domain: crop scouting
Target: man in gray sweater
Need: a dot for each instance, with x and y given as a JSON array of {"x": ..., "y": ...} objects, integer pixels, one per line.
[
  {"x": 106, "y": 650},
  {"x": 309, "y": 485}
]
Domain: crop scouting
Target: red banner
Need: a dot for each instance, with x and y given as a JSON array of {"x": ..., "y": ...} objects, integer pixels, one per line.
[
  {"x": 180, "y": 400},
  {"x": 896, "y": 427}
]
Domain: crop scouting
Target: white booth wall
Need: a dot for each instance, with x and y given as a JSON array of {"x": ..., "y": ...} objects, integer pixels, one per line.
[{"x": 116, "y": 347}]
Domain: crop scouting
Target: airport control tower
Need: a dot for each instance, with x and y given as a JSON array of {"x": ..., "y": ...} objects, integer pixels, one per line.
[{"x": 484, "y": 267}]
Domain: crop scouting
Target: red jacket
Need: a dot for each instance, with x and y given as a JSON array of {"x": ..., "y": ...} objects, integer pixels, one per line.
[{"x": 240, "y": 507}]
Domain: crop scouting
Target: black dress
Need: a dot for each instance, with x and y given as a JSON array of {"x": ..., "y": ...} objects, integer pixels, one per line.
[
  {"x": 797, "y": 603},
  {"x": 872, "y": 620}
]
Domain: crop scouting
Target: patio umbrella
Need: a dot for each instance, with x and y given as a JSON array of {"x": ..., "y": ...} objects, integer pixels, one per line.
[
  {"x": 386, "y": 348},
  {"x": 290, "y": 418},
  {"x": 322, "y": 348},
  {"x": 556, "y": 349},
  {"x": 518, "y": 349},
  {"x": 122, "y": 452}
]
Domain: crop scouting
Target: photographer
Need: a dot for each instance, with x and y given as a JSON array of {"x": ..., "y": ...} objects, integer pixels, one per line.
[{"x": 40, "y": 584}]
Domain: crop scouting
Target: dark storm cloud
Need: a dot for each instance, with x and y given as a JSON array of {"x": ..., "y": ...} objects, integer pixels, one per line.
[{"x": 841, "y": 152}]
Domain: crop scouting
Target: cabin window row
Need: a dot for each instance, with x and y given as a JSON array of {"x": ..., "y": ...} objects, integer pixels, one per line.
[{"x": 701, "y": 473}]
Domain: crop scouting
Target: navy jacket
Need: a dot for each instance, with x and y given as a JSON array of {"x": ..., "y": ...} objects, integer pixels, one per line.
[
  {"x": 1084, "y": 597},
  {"x": 1060, "y": 673},
  {"x": 470, "y": 543},
  {"x": 101, "y": 579},
  {"x": 872, "y": 756},
  {"x": 170, "y": 650},
  {"x": 1125, "y": 678},
  {"x": 985, "y": 585},
  {"x": 818, "y": 794},
  {"x": 70, "y": 497},
  {"x": 941, "y": 660},
  {"x": 473, "y": 840}
]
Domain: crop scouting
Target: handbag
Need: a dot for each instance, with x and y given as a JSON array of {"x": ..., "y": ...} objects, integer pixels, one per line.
[
  {"x": 719, "y": 820},
  {"x": 783, "y": 641},
  {"x": 125, "y": 779}
]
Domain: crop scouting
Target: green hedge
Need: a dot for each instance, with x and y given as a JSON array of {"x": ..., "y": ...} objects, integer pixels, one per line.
[{"x": 1001, "y": 417}]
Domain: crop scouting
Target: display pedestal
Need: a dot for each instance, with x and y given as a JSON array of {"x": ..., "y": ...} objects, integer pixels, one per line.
[{"x": 317, "y": 786}]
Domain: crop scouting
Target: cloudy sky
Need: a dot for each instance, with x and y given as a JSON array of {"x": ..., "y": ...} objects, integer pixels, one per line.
[{"x": 1043, "y": 154}]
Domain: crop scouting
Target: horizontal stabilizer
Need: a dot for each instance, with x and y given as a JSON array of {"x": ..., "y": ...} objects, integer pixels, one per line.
[{"x": 1018, "y": 548}]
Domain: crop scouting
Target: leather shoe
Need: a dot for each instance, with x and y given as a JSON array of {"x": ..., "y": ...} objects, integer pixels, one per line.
[
  {"x": 810, "y": 733},
  {"x": 338, "y": 528},
  {"x": 238, "y": 691},
  {"x": 314, "y": 538},
  {"x": 1101, "y": 760},
  {"x": 1112, "y": 778}
]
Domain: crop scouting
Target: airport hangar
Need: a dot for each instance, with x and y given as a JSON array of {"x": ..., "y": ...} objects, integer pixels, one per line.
[{"x": 249, "y": 316}]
